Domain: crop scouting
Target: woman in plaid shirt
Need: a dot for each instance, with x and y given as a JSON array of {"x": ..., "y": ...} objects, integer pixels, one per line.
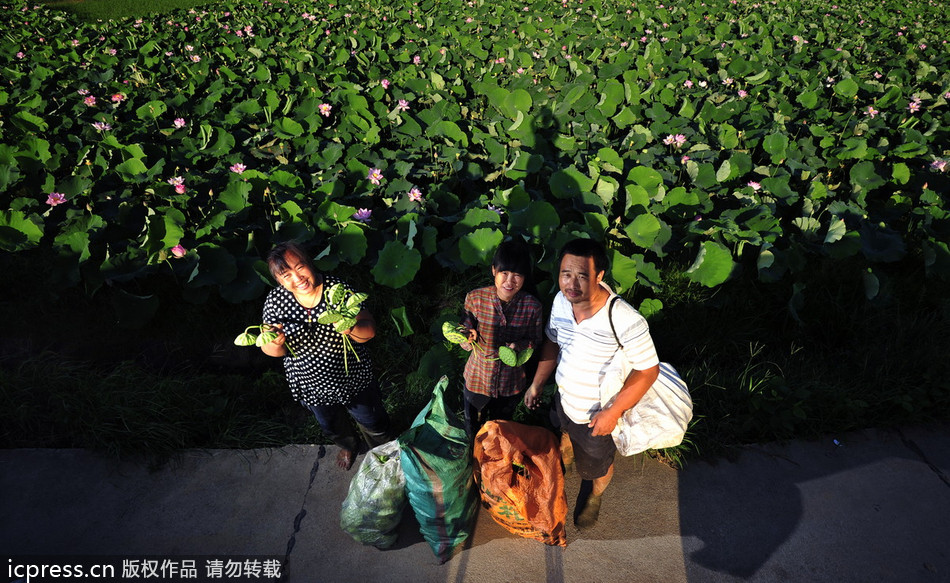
[{"x": 503, "y": 314}]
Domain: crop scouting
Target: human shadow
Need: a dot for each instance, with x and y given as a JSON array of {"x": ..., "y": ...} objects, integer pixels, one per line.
[{"x": 832, "y": 500}]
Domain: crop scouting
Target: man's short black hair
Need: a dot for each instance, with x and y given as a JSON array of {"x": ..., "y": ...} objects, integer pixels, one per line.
[
  {"x": 586, "y": 248},
  {"x": 277, "y": 258}
]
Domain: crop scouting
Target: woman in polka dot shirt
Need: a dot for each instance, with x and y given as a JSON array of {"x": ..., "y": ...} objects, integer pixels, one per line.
[{"x": 317, "y": 373}]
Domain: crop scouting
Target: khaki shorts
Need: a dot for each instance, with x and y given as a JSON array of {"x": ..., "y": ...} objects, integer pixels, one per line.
[{"x": 593, "y": 456}]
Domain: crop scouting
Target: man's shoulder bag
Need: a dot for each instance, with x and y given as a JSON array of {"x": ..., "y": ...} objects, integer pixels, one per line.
[{"x": 661, "y": 416}]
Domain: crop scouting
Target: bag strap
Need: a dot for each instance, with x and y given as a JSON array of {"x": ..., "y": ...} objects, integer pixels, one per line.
[{"x": 610, "y": 318}]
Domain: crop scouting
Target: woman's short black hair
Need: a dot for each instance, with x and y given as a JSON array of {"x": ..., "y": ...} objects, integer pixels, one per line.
[
  {"x": 586, "y": 248},
  {"x": 513, "y": 255},
  {"x": 277, "y": 258}
]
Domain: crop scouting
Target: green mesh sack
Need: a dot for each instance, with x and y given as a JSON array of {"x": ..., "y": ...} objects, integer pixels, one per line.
[
  {"x": 376, "y": 499},
  {"x": 437, "y": 461}
]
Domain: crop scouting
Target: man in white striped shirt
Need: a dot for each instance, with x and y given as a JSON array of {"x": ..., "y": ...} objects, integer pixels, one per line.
[{"x": 582, "y": 346}]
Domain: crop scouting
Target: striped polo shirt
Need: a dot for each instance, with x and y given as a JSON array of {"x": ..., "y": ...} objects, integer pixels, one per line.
[{"x": 589, "y": 354}]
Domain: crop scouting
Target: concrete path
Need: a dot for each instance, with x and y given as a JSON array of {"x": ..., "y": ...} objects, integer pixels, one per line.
[{"x": 873, "y": 506}]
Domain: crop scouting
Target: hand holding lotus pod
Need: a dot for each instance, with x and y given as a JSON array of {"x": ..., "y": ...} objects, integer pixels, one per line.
[
  {"x": 267, "y": 335},
  {"x": 343, "y": 307},
  {"x": 454, "y": 333},
  {"x": 458, "y": 334},
  {"x": 512, "y": 358}
]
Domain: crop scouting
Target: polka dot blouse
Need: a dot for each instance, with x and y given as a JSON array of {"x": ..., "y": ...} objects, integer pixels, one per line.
[{"x": 317, "y": 375}]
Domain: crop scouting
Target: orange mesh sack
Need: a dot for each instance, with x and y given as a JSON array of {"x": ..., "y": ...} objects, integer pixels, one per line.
[{"x": 518, "y": 471}]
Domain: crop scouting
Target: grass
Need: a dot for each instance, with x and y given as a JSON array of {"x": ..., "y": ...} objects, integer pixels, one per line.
[
  {"x": 126, "y": 409},
  {"x": 758, "y": 375},
  {"x": 75, "y": 379}
]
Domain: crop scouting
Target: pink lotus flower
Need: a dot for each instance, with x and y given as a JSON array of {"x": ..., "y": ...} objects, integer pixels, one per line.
[
  {"x": 89, "y": 100},
  {"x": 871, "y": 111},
  {"x": 363, "y": 215},
  {"x": 385, "y": 83},
  {"x": 101, "y": 126},
  {"x": 416, "y": 60},
  {"x": 55, "y": 198},
  {"x": 940, "y": 165},
  {"x": 684, "y": 159},
  {"x": 118, "y": 97},
  {"x": 179, "y": 183},
  {"x": 678, "y": 140},
  {"x": 403, "y": 105},
  {"x": 754, "y": 185},
  {"x": 179, "y": 122},
  {"x": 743, "y": 94},
  {"x": 415, "y": 195},
  {"x": 238, "y": 168},
  {"x": 688, "y": 84},
  {"x": 914, "y": 106},
  {"x": 375, "y": 176},
  {"x": 179, "y": 251},
  {"x": 325, "y": 109},
  {"x": 195, "y": 59}
]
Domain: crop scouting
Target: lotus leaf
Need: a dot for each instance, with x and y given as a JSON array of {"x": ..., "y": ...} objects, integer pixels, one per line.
[
  {"x": 397, "y": 264},
  {"x": 713, "y": 264},
  {"x": 476, "y": 248}
]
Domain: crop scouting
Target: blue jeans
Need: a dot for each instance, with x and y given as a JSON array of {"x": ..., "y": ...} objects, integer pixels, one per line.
[{"x": 366, "y": 409}]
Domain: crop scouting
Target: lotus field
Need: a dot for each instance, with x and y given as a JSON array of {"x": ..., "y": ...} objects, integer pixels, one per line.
[{"x": 716, "y": 138}]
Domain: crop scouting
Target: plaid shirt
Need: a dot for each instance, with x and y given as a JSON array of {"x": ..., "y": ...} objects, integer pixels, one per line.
[{"x": 519, "y": 322}]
